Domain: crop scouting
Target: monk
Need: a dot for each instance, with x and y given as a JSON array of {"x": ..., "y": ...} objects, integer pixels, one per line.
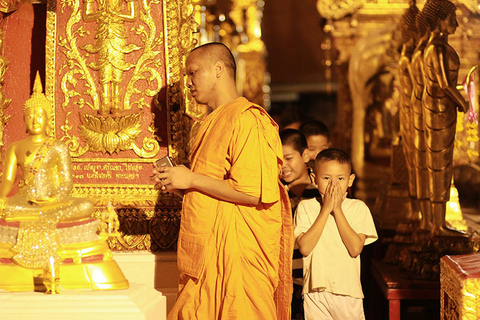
[{"x": 236, "y": 238}]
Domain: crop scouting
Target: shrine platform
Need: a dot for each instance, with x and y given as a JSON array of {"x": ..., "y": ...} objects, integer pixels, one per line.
[
  {"x": 139, "y": 302},
  {"x": 149, "y": 276}
]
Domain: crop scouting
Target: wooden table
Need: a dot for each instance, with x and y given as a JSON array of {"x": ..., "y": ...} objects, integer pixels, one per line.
[{"x": 398, "y": 285}]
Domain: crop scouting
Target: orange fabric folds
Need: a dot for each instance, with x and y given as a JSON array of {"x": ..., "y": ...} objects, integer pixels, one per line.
[{"x": 234, "y": 258}]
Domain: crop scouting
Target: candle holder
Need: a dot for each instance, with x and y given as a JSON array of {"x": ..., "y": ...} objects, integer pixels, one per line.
[{"x": 51, "y": 276}]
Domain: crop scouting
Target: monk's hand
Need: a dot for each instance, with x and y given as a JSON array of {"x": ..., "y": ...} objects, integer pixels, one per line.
[{"x": 172, "y": 179}]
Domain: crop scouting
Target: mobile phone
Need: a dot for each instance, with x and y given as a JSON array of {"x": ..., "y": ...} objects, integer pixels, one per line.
[{"x": 165, "y": 162}]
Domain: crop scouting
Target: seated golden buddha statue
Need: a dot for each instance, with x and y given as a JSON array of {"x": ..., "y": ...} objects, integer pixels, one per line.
[{"x": 42, "y": 221}]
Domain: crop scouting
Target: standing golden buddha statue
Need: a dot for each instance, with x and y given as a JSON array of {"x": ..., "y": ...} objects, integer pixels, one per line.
[
  {"x": 405, "y": 78},
  {"x": 420, "y": 155},
  {"x": 440, "y": 100},
  {"x": 42, "y": 223}
]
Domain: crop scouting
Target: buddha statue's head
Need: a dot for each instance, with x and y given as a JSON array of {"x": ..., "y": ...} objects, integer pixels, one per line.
[
  {"x": 423, "y": 27},
  {"x": 440, "y": 14},
  {"x": 37, "y": 110},
  {"x": 408, "y": 27}
]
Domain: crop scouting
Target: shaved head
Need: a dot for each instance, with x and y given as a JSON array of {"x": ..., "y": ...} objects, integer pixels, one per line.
[{"x": 216, "y": 51}]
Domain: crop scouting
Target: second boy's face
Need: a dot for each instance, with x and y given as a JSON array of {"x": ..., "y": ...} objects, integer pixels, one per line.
[
  {"x": 293, "y": 164},
  {"x": 331, "y": 172},
  {"x": 316, "y": 143}
]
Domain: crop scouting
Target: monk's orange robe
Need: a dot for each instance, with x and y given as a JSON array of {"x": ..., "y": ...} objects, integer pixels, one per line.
[{"x": 235, "y": 260}]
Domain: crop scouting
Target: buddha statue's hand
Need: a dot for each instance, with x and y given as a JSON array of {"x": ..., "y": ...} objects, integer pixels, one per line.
[
  {"x": 44, "y": 200},
  {"x": 464, "y": 106}
]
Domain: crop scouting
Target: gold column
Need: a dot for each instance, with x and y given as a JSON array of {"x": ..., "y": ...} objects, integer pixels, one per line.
[{"x": 6, "y": 6}]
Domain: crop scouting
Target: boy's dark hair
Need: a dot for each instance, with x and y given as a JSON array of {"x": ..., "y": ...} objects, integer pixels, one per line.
[
  {"x": 314, "y": 128},
  {"x": 294, "y": 138},
  {"x": 333, "y": 154},
  {"x": 291, "y": 113}
]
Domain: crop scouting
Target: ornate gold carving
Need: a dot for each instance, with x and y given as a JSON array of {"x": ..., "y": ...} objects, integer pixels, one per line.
[
  {"x": 459, "y": 291},
  {"x": 164, "y": 228},
  {"x": 125, "y": 195},
  {"x": 111, "y": 48},
  {"x": 5, "y": 7},
  {"x": 72, "y": 142},
  {"x": 111, "y": 65},
  {"x": 4, "y": 102},
  {"x": 130, "y": 242},
  {"x": 110, "y": 134},
  {"x": 180, "y": 24},
  {"x": 50, "y": 44},
  {"x": 251, "y": 54},
  {"x": 76, "y": 63},
  {"x": 338, "y": 9},
  {"x": 113, "y": 160},
  {"x": 251, "y": 75},
  {"x": 148, "y": 220},
  {"x": 140, "y": 207}
]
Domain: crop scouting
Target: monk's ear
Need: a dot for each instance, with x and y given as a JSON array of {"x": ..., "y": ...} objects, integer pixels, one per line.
[{"x": 219, "y": 68}]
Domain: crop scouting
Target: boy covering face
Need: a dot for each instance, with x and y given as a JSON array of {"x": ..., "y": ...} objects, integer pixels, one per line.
[{"x": 331, "y": 232}]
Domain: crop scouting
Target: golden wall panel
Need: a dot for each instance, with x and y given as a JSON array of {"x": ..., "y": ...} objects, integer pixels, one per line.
[{"x": 116, "y": 80}]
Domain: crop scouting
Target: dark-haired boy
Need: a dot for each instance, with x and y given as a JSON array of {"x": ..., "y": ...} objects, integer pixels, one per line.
[
  {"x": 331, "y": 232},
  {"x": 317, "y": 135},
  {"x": 300, "y": 183}
]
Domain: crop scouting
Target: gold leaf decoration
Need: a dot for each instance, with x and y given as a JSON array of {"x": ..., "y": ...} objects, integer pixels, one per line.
[
  {"x": 110, "y": 134},
  {"x": 338, "y": 9}
]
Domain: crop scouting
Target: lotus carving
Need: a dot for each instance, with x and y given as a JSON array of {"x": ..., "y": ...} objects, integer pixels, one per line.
[{"x": 110, "y": 134}]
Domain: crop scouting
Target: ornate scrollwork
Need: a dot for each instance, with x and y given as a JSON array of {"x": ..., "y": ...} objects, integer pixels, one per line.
[
  {"x": 110, "y": 64},
  {"x": 147, "y": 66},
  {"x": 6, "y": 6},
  {"x": 179, "y": 35},
  {"x": 4, "y": 102},
  {"x": 143, "y": 207},
  {"x": 110, "y": 134},
  {"x": 76, "y": 62},
  {"x": 143, "y": 227},
  {"x": 337, "y": 9}
]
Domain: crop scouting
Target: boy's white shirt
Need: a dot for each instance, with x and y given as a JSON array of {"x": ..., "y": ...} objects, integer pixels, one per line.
[{"x": 329, "y": 266}]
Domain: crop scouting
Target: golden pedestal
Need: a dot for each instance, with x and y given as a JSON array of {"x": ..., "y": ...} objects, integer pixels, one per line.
[
  {"x": 460, "y": 287},
  {"x": 86, "y": 261}
]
